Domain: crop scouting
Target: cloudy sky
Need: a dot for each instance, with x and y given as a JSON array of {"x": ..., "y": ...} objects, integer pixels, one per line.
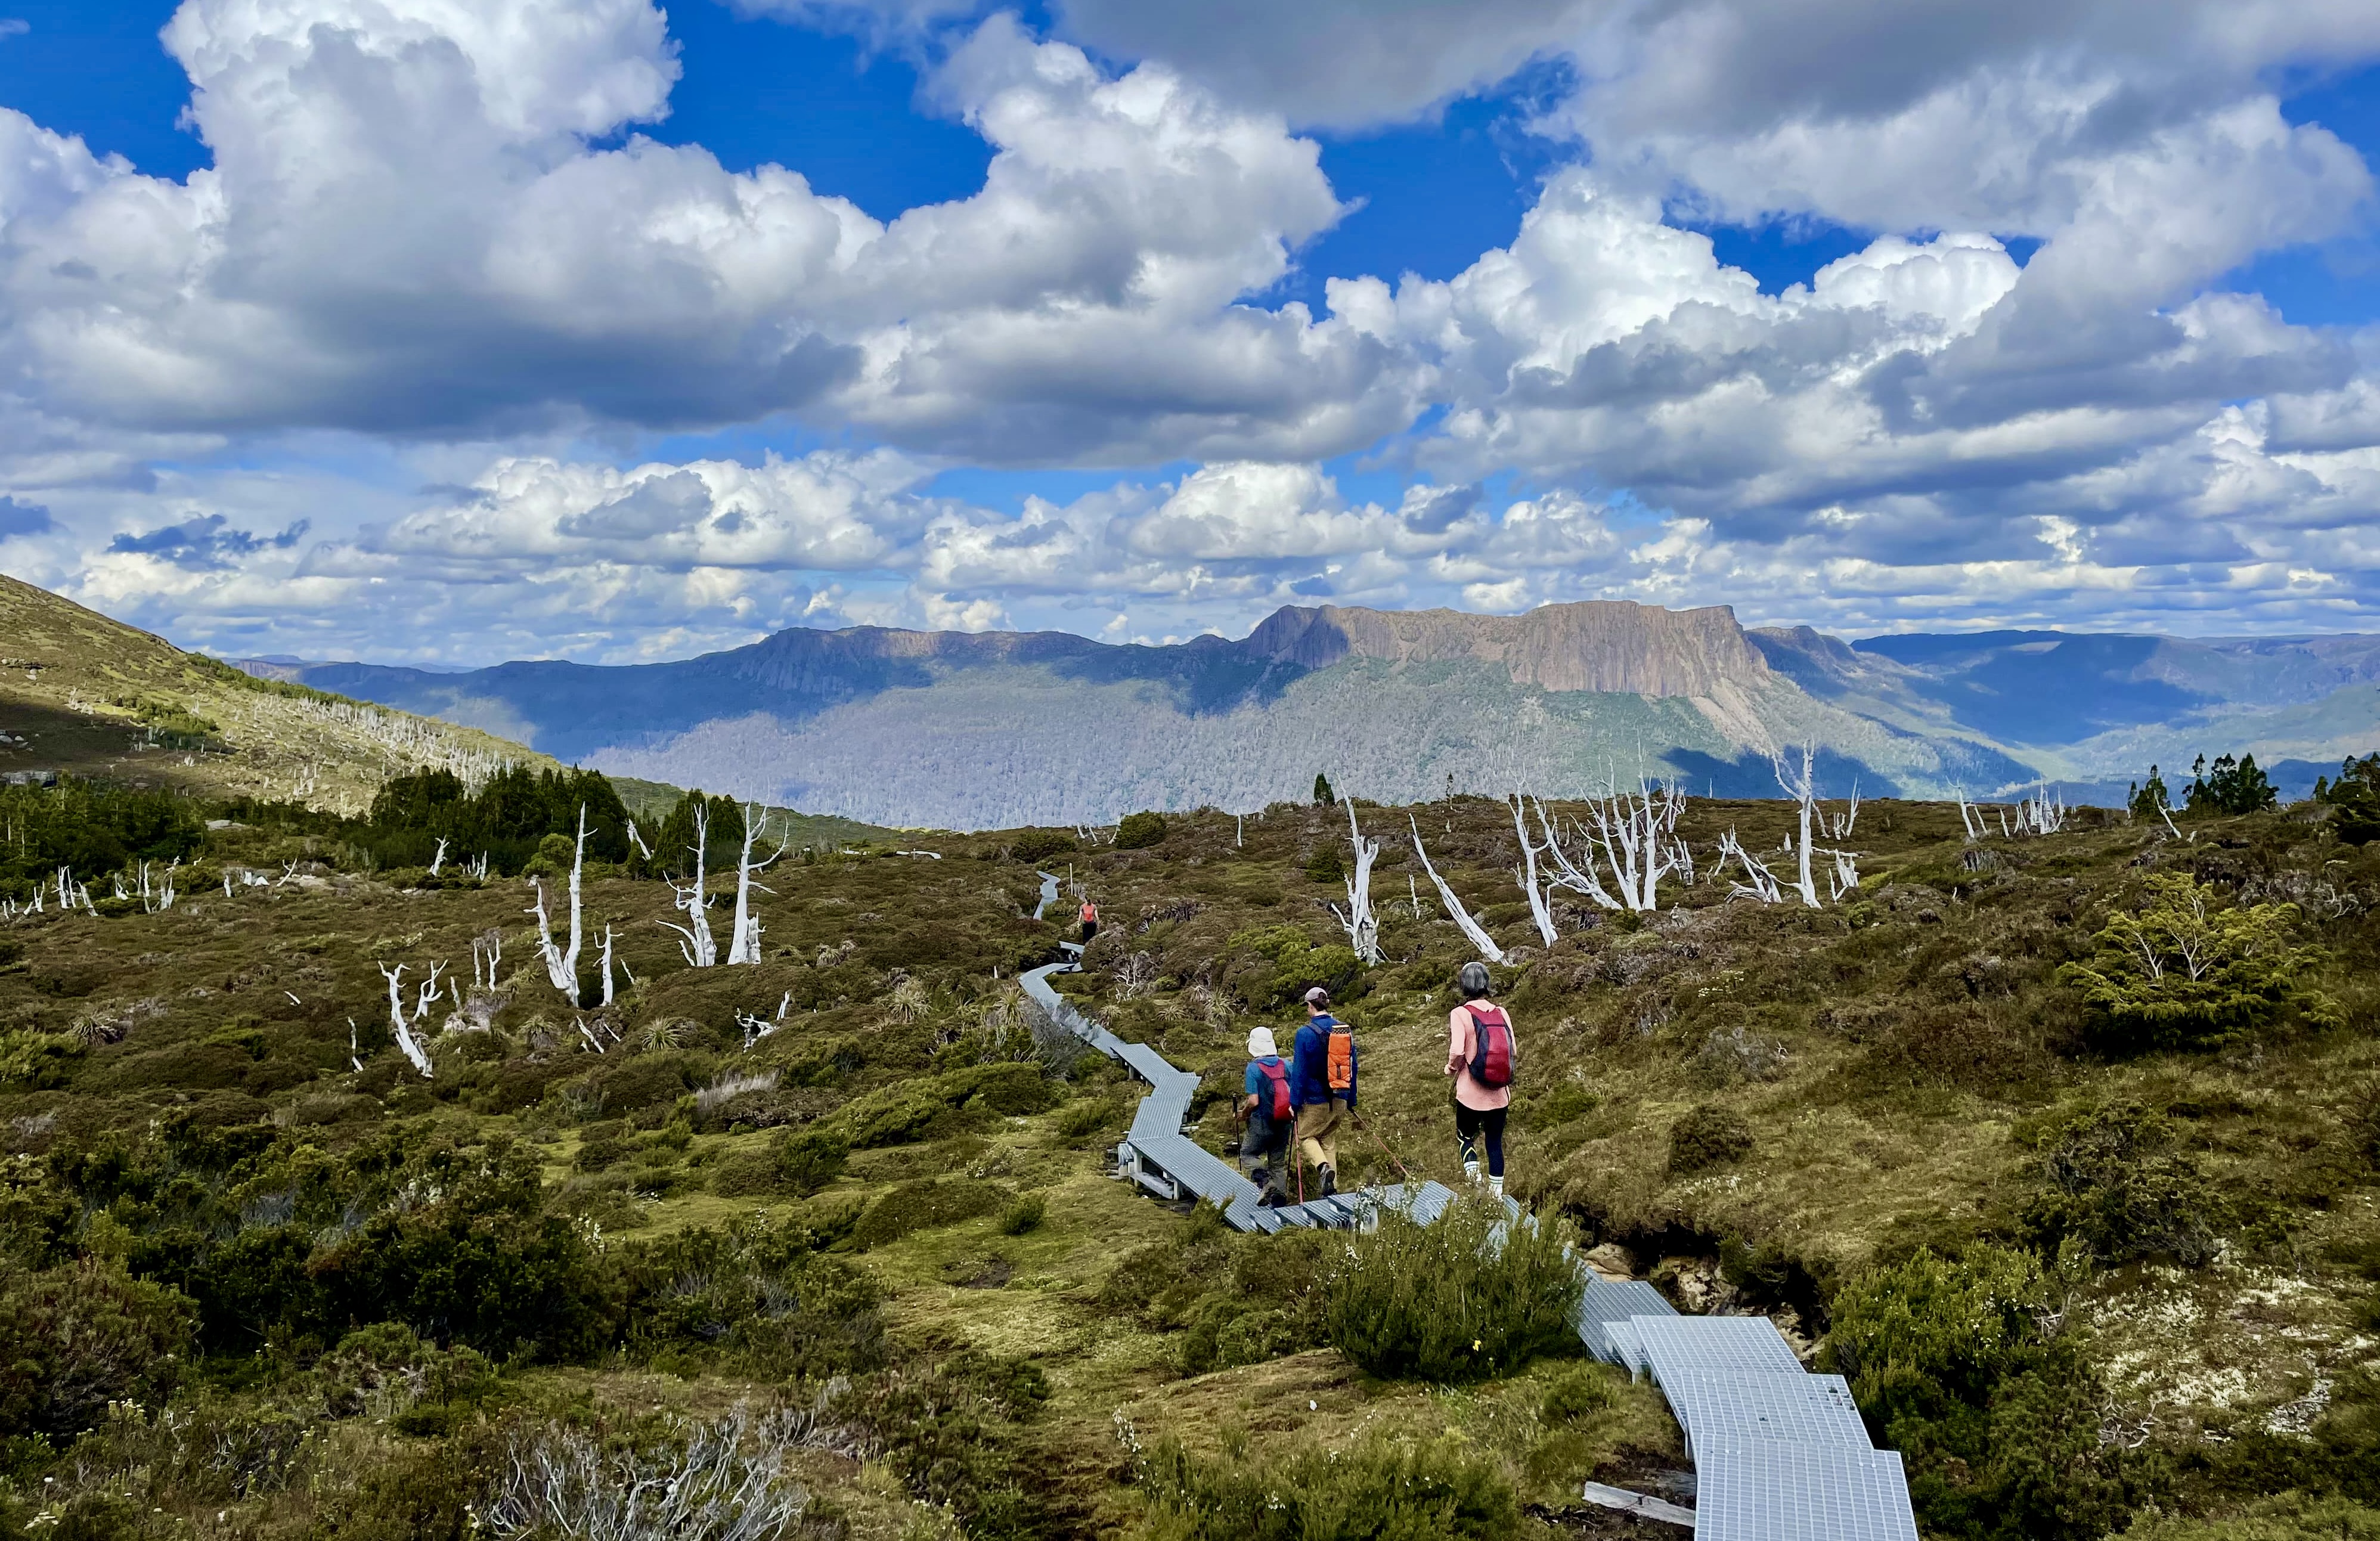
[{"x": 452, "y": 330}]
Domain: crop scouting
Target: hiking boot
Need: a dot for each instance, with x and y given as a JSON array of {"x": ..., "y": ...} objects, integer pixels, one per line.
[{"x": 1329, "y": 1182}]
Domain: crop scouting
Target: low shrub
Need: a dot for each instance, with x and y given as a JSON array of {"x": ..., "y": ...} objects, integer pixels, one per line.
[
  {"x": 1576, "y": 1393},
  {"x": 1041, "y": 844},
  {"x": 2112, "y": 1178},
  {"x": 1998, "y": 1418},
  {"x": 2189, "y": 971},
  {"x": 1709, "y": 1136},
  {"x": 763, "y": 1294},
  {"x": 921, "y": 1206},
  {"x": 76, "y": 1338},
  {"x": 1138, "y": 831},
  {"x": 1471, "y": 1296},
  {"x": 2289, "y": 1517},
  {"x": 1088, "y": 1116},
  {"x": 1025, "y": 1214},
  {"x": 1376, "y": 1490}
]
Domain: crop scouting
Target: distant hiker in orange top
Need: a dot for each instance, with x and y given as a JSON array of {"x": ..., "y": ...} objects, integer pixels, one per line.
[
  {"x": 1482, "y": 1057},
  {"x": 1090, "y": 921}
]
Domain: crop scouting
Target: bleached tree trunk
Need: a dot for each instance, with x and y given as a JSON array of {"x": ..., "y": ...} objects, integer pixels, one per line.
[
  {"x": 1969, "y": 819},
  {"x": 406, "y": 1042},
  {"x": 1802, "y": 789},
  {"x": 1363, "y": 928},
  {"x": 1568, "y": 873},
  {"x": 1759, "y": 882},
  {"x": 744, "y": 946},
  {"x": 562, "y": 967},
  {"x": 607, "y": 963},
  {"x": 700, "y": 951},
  {"x": 1454, "y": 910},
  {"x": 438, "y": 858},
  {"x": 1539, "y": 910}
]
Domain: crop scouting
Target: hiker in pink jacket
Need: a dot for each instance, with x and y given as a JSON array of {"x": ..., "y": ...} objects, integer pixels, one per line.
[{"x": 1482, "y": 1057}]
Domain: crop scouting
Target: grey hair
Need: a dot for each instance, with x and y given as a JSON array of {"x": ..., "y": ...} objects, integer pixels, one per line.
[{"x": 1471, "y": 981}]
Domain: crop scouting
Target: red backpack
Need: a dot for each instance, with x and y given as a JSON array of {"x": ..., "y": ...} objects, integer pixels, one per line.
[
  {"x": 1278, "y": 1074},
  {"x": 1491, "y": 1051}
]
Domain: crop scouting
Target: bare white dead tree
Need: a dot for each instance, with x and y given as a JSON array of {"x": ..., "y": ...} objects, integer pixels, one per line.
[
  {"x": 438, "y": 858},
  {"x": 1758, "y": 881},
  {"x": 487, "y": 948},
  {"x": 562, "y": 966},
  {"x": 354, "y": 1047},
  {"x": 1454, "y": 910},
  {"x": 727, "y": 1480},
  {"x": 1971, "y": 818},
  {"x": 1840, "y": 826},
  {"x": 1637, "y": 833},
  {"x": 1363, "y": 928},
  {"x": 1802, "y": 787},
  {"x": 1540, "y": 910},
  {"x": 477, "y": 866},
  {"x": 757, "y": 1027},
  {"x": 700, "y": 951},
  {"x": 407, "y": 1043},
  {"x": 638, "y": 841},
  {"x": 2044, "y": 813},
  {"x": 607, "y": 963},
  {"x": 744, "y": 946},
  {"x": 1845, "y": 878}
]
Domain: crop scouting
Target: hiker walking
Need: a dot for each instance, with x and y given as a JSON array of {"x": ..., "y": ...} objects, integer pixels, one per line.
[
  {"x": 1481, "y": 1055},
  {"x": 1090, "y": 919},
  {"x": 1322, "y": 1084},
  {"x": 1265, "y": 1108}
]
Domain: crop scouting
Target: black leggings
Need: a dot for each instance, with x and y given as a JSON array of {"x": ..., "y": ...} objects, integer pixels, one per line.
[{"x": 1469, "y": 1122}]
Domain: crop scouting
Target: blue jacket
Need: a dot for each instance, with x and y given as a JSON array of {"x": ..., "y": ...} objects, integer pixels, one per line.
[{"x": 1309, "y": 1065}]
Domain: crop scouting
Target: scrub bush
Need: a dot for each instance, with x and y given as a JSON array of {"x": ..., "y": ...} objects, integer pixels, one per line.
[
  {"x": 2187, "y": 971},
  {"x": 1471, "y": 1296},
  {"x": 1997, "y": 1417},
  {"x": 1138, "y": 831},
  {"x": 76, "y": 1338},
  {"x": 1709, "y": 1136},
  {"x": 1380, "y": 1490},
  {"x": 2111, "y": 1180}
]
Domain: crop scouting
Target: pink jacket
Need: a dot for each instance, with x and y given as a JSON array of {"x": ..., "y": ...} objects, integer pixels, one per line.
[{"x": 1461, "y": 1044}]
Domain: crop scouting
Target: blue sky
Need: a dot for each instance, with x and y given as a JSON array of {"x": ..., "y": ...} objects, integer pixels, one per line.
[{"x": 2094, "y": 349}]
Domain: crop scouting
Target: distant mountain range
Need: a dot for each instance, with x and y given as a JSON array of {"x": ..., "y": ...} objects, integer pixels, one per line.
[{"x": 980, "y": 730}]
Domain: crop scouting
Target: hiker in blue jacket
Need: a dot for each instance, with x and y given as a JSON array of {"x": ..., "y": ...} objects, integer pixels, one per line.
[
  {"x": 1265, "y": 1107},
  {"x": 1322, "y": 1084}
]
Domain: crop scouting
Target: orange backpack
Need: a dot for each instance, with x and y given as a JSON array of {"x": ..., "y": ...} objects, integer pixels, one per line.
[{"x": 1343, "y": 1058}]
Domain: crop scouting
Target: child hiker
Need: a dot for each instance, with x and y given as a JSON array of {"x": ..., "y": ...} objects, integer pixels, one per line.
[{"x": 1482, "y": 1057}]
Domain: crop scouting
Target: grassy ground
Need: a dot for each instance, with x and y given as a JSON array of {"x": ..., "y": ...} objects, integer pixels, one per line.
[{"x": 1900, "y": 1060}]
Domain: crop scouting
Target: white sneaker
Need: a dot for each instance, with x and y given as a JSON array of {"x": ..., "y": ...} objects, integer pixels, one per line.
[
  {"x": 1471, "y": 1170},
  {"x": 1496, "y": 1186}
]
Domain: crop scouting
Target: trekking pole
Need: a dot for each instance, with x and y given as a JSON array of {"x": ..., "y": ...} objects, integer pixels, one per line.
[{"x": 1388, "y": 1151}]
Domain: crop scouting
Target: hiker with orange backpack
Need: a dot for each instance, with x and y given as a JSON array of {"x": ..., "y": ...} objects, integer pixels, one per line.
[
  {"x": 1265, "y": 1108},
  {"x": 1322, "y": 1086},
  {"x": 1482, "y": 1057}
]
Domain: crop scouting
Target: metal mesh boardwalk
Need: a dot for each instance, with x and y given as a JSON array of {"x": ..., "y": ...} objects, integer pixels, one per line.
[{"x": 1779, "y": 1454}]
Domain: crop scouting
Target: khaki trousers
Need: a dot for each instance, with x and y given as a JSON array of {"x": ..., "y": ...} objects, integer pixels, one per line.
[{"x": 1318, "y": 1131}]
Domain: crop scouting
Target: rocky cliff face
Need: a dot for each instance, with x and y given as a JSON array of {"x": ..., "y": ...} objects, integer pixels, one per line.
[{"x": 1596, "y": 644}]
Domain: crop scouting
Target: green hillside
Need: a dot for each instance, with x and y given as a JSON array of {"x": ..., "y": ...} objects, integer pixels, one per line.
[{"x": 841, "y": 1214}]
